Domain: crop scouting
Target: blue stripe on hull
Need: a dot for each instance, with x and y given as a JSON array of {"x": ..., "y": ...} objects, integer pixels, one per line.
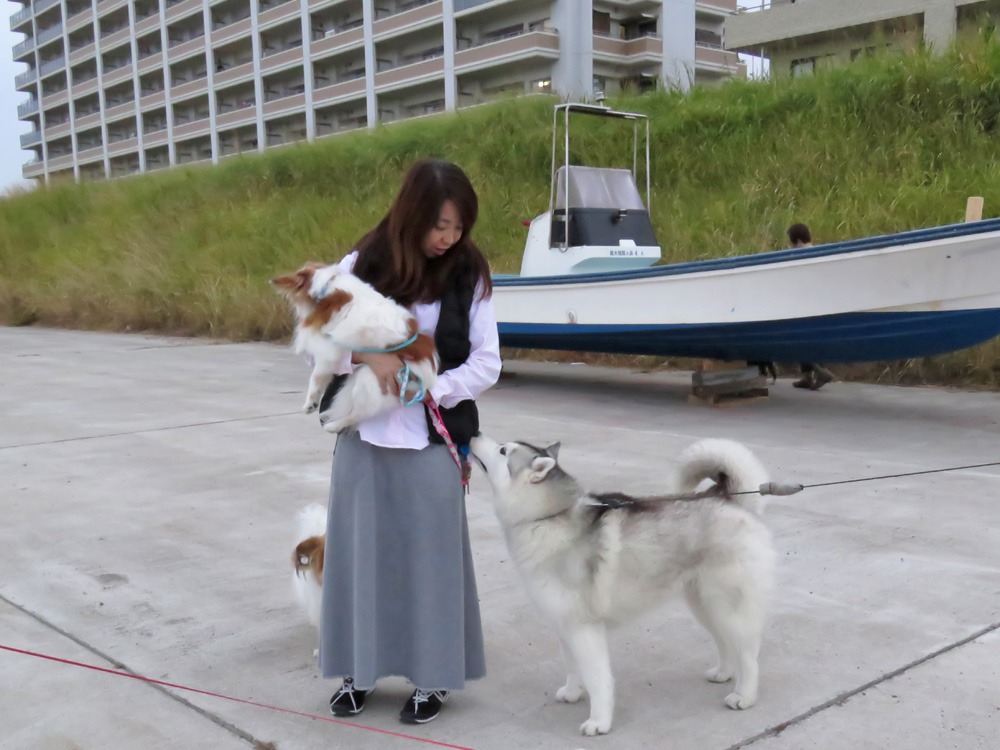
[{"x": 854, "y": 337}]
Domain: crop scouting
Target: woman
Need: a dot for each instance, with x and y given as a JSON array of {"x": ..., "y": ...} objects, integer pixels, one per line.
[{"x": 399, "y": 590}]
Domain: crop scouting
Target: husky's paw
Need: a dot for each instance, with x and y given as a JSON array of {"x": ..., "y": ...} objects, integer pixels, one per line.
[
  {"x": 310, "y": 406},
  {"x": 569, "y": 693},
  {"x": 738, "y": 702},
  {"x": 718, "y": 674},
  {"x": 593, "y": 727}
]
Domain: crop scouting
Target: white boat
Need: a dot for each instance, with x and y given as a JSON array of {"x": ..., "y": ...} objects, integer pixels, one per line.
[{"x": 589, "y": 284}]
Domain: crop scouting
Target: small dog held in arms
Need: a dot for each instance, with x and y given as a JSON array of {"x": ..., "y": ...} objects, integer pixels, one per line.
[
  {"x": 591, "y": 561},
  {"x": 336, "y": 312},
  {"x": 307, "y": 560}
]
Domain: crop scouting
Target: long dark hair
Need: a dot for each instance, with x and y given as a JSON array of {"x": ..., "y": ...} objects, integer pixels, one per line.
[{"x": 391, "y": 256}]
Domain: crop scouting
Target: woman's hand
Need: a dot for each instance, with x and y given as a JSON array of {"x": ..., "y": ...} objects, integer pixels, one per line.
[{"x": 384, "y": 367}]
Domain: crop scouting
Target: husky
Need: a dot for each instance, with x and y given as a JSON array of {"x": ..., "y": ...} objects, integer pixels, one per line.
[{"x": 593, "y": 561}]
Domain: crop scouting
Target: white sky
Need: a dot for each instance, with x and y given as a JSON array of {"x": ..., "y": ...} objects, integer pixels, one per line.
[{"x": 11, "y": 155}]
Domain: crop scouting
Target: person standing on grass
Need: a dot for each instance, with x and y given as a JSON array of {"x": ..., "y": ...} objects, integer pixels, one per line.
[
  {"x": 814, "y": 376},
  {"x": 399, "y": 589}
]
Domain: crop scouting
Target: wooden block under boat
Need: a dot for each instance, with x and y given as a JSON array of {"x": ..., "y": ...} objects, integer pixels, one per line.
[{"x": 718, "y": 387}]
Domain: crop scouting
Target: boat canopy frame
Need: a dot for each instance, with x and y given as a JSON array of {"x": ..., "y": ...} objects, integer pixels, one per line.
[{"x": 598, "y": 110}]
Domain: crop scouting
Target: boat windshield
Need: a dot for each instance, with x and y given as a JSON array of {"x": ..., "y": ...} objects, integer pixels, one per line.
[{"x": 597, "y": 187}]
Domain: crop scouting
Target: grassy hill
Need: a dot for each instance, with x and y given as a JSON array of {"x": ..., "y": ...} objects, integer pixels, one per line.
[{"x": 883, "y": 145}]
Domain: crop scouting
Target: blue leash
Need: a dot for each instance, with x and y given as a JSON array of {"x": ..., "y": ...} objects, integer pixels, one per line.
[
  {"x": 391, "y": 349},
  {"x": 404, "y": 375}
]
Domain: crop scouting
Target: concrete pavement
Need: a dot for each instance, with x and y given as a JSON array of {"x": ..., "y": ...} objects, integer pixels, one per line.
[{"x": 148, "y": 487}]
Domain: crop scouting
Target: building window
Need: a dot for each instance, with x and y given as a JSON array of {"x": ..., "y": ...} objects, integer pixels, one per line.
[
  {"x": 803, "y": 66},
  {"x": 542, "y": 85}
]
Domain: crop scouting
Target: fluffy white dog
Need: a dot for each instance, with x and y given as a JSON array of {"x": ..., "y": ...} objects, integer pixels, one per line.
[
  {"x": 337, "y": 312},
  {"x": 591, "y": 561},
  {"x": 307, "y": 560}
]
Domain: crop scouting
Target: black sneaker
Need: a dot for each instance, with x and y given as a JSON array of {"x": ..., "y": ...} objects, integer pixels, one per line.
[
  {"x": 348, "y": 701},
  {"x": 422, "y": 706}
]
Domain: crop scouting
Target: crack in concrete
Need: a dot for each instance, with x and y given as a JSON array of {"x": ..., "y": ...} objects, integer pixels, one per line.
[
  {"x": 774, "y": 731},
  {"x": 148, "y": 429},
  {"x": 115, "y": 664}
]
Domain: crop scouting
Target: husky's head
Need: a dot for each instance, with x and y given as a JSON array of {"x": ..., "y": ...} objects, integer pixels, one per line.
[{"x": 528, "y": 483}]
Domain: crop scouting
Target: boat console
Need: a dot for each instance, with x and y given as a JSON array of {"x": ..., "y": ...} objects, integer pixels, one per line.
[{"x": 596, "y": 221}]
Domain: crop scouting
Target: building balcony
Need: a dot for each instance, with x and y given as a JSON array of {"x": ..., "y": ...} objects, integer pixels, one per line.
[
  {"x": 183, "y": 9},
  {"x": 60, "y": 162},
  {"x": 339, "y": 91},
  {"x": 242, "y": 116},
  {"x": 230, "y": 32},
  {"x": 120, "y": 111},
  {"x": 118, "y": 75},
  {"x": 32, "y": 169},
  {"x": 115, "y": 39},
  {"x": 233, "y": 75},
  {"x": 422, "y": 15},
  {"x": 337, "y": 42},
  {"x": 78, "y": 21},
  {"x": 153, "y": 100},
  {"x": 285, "y": 104},
  {"x": 88, "y": 121},
  {"x": 717, "y": 59},
  {"x": 21, "y": 49},
  {"x": 55, "y": 99},
  {"x": 52, "y": 66},
  {"x": 407, "y": 75},
  {"x": 285, "y": 11},
  {"x": 151, "y": 140},
  {"x": 147, "y": 24},
  {"x": 719, "y": 8},
  {"x": 125, "y": 146},
  {"x": 48, "y": 35},
  {"x": 21, "y": 18},
  {"x": 43, "y": 5},
  {"x": 279, "y": 60},
  {"x": 188, "y": 89},
  {"x": 523, "y": 46},
  {"x": 24, "y": 79},
  {"x": 90, "y": 155},
  {"x": 150, "y": 63},
  {"x": 87, "y": 87},
  {"x": 188, "y": 48},
  {"x": 193, "y": 128},
  {"x": 58, "y": 131},
  {"x": 85, "y": 52},
  {"x": 30, "y": 138},
  {"x": 27, "y": 107}
]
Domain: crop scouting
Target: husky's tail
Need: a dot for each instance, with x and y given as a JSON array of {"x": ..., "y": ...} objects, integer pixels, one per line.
[
  {"x": 731, "y": 465},
  {"x": 311, "y": 521}
]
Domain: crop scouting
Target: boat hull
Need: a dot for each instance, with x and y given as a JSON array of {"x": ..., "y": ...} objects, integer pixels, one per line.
[
  {"x": 898, "y": 296},
  {"x": 857, "y": 337}
]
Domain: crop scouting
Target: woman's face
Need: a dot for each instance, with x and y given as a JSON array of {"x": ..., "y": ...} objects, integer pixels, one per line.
[{"x": 445, "y": 232}]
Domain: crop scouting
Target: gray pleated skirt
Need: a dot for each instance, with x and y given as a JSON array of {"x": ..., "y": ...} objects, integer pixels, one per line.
[{"x": 399, "y": 589}]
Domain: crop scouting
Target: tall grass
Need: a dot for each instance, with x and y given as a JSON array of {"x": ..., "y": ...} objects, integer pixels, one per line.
[{"x": 885, "y": 144}]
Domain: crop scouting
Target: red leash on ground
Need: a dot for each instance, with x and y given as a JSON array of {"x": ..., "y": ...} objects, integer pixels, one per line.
[{"x": 228, "y": 698}]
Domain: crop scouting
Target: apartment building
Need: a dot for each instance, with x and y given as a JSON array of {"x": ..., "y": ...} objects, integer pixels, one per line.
[
  {"x": 118, "y": 87},
  {"x": 800, "y": 35}
]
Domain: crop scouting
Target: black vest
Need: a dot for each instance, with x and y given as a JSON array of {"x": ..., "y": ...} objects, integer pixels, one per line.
[{"x": 452, "y": 340}]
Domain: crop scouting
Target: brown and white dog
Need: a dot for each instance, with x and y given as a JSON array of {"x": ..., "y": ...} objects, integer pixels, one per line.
[
  {"x": 337, "y": 312},
  {"x": 307, "y": 560}
]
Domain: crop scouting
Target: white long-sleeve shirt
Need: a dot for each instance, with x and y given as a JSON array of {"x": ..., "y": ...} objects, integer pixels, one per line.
[{"x": 406, "y": 427}]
